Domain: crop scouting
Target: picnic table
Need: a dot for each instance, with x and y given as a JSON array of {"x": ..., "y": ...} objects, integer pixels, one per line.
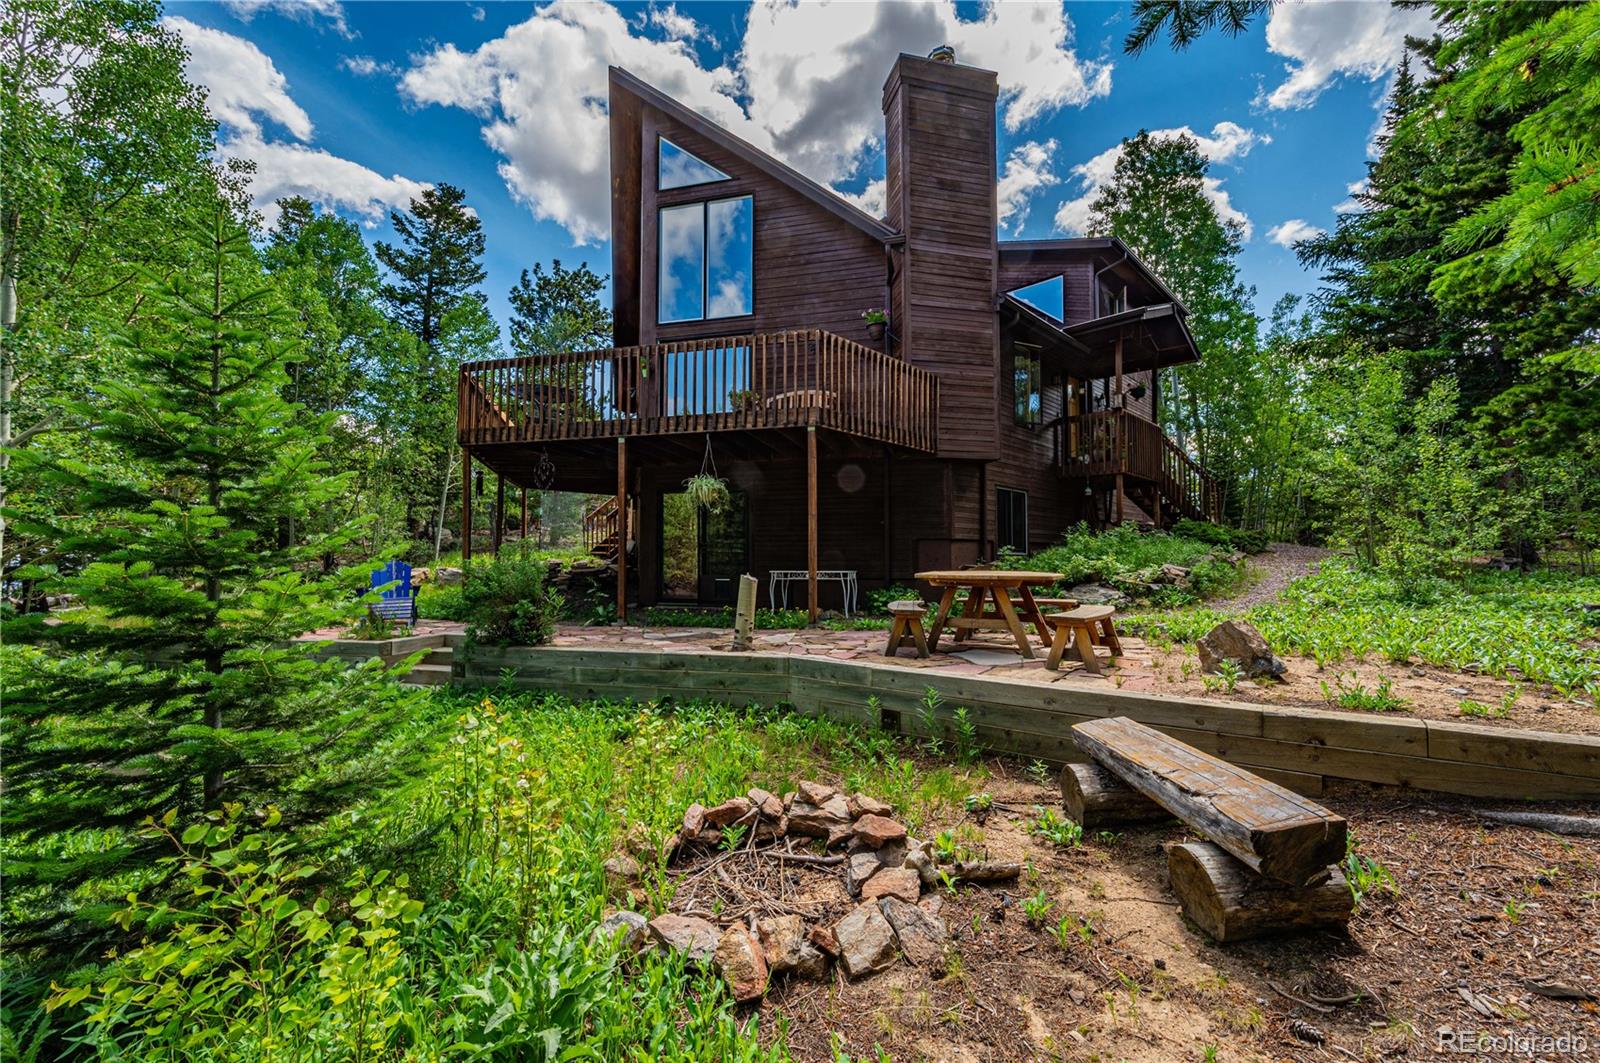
[{"x": 997, "y": 600}]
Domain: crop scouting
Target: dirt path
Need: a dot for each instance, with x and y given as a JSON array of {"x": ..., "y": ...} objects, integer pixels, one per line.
[{"x": 1281, "y": 565}]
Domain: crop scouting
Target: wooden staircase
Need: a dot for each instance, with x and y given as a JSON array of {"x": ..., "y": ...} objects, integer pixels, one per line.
[
  {"x": 601, "y": 530},
  {"x": 1156, "y": 472}
]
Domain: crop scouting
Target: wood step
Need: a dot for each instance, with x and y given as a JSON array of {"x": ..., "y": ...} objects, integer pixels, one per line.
[
  {"x": 444, "y": 656},
  {"x": 1275, "y": 832},
  {"x": 429, "y": 675}
]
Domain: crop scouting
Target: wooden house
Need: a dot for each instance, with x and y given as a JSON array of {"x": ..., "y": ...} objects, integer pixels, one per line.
[{"x": 1010, "y": 391}]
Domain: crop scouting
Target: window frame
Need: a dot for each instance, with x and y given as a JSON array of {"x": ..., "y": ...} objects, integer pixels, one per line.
[
  {"x": 705, "y": 258},
  {"x": 661, "y": 138},
  {"x": 1021, "y": 417},
  {"x": 1004, "y": 507}
]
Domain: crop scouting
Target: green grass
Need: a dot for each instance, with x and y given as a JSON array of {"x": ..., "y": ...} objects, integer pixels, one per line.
[
  {"x": 456, "y": 921},
  {"x": 1128, "y": 560},
  {"x": 1504, "y": 624}
]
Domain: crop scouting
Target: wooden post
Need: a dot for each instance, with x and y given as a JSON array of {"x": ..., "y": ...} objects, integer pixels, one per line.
[
  {"x": 744, "y": 614},
  {"x": 622, "y": 527},
  {"x": 524, "y": 513},
  {"x": 466, "y": 504},
  {"x": 1122, "y": 442},
  {"x": 811, "y": 521},
  {"x": 499, "y": 512}
]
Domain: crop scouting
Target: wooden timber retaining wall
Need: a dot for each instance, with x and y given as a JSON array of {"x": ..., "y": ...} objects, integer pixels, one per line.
[{"x": 1297, "y": 747}]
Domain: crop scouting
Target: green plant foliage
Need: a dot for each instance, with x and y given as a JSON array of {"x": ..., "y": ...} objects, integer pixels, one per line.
[
  {"x": 505, "y": 602},
  {"x": 1128, "y": 559},
  {"x": 878, "y": 600},
  {"x": 1531, "y": 625},
  {"x": 182, "y": 684}
]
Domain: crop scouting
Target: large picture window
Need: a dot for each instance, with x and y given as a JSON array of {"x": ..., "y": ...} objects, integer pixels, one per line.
[
  {"x": 1011, "y": 519},
  {"x": 706, "y": 260}
]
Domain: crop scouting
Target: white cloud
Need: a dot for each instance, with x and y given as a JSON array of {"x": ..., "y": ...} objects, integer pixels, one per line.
[
  {"x": 366, "y": 66},
  {"x": 676, "y": 25},
  {"x": 1228, "y": 141},
  {"x": 1351, "y": 206},
  {"x": 873, "y": 199},
  {"x": 241, "y": 83},
  {"x": 804, "y": 85},
  {"x": 1291, "y": 232},
  {"x": 307, "y": 11},
  {"x": 479, "y": 14},
  {"x": 1325, "y": 40},
  {"x": 1026, "y": 172}
]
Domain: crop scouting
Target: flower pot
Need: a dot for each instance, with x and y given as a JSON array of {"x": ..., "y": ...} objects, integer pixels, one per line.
[{"x": 875, "y": 330}]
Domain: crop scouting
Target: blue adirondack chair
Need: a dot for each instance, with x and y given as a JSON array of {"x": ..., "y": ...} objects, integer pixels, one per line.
[{"x": 398, "y": 602}]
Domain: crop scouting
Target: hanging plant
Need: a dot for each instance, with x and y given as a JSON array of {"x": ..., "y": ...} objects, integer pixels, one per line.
[{"x": 706, "y": 488}]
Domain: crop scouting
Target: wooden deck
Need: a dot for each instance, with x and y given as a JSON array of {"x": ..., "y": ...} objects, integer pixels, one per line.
[{"x": 800, "y": 379}]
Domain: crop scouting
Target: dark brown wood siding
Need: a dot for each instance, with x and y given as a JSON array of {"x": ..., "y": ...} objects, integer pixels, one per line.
[
  {"x": 811, "y": 268},
  {"x": 941, "y": 167}
]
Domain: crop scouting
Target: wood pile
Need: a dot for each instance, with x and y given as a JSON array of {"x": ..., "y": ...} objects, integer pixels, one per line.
[{"x": 1270, "y": 861}]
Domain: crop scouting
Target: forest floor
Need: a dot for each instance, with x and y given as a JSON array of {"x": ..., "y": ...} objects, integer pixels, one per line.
[{"x": 1475, "y": 914}]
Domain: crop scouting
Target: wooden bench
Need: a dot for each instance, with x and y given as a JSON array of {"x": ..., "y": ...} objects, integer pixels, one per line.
[
  {"x": 1083, "y": 628},
  {"x": 907, "y": 627},
  {"x": 1276, "y": 833}
]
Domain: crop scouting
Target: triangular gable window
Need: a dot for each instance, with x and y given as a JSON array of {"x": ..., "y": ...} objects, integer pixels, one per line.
[
  {"x": 676, "y": 168},
  {"x": 1047, "y": 297}
]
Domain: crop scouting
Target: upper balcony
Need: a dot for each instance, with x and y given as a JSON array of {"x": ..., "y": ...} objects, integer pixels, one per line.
[{"x": 730, "y": 383}]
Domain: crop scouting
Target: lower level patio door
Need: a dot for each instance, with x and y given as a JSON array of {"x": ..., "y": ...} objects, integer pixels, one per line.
[{"x": 703, "y": 554}]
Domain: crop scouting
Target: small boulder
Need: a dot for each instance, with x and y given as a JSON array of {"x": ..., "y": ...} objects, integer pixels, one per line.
[
  {"x": 783, "y": 941},
  {"x": 772, "y": 828},
  {"x": 733, "y": 810},
  {"x": 822, "y": 937},
  {"x": 622, "y": 873},
  {"x": 742, "y": 963},
  {"x": 816, "y": 793},
  {"x": 447, "y": 576},
  {"x": 687, "y": 934},
  {"x": 921, "y": 934},
  {"x": 631, "y": 926},
  {"x": 920, "y": 860},
  {"x": 694, "y": 821},
  {"x": 866, "y": 941},
  {"x": 1241, "y": 643},
  {"x": 933, "y": 904},
  {"x": 860, "y": 868},
  {"x": 770, "y": 805},
  {"x": 1097, "y": 594},
  {"x": 862, "y": 805},
  {"x": 1176, "y": 575},
  {"x": 878, "y": 831},
  {"x": 819, "y": 821},
  {"x": 813, "y": 964},
  {"x": 893, "y": 882}
]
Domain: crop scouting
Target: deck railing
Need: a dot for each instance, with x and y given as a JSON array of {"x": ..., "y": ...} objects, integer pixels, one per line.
[
  {"x": 751, "y": 381},
  {"x": 1108, "y": 442}
]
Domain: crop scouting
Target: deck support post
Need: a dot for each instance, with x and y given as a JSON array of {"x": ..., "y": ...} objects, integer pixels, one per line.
[
  {"x": 622, "y": 527},
  {"x": 466, "y": 504},
  {"x": 1122, "y": 442},
  {"x": 811, "y": 521},
  {"x": 499, "y": 512}
]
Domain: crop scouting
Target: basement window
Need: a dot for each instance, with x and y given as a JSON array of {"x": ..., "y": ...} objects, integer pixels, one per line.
[
  {"x": 705, "y": 260},
  {"x": 1011, "y": 519}
]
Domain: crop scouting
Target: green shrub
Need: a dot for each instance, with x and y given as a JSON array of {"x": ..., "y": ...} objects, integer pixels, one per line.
[
  {"x": 1129, "y": 560},
  {"x": 1250, "y": 540},
  {"x": 506, "y": 603},
  {"x": 878, "y": 600},
  {"x": 439, "y": 601}
]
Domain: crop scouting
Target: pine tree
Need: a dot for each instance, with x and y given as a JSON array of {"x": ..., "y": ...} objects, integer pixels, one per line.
[
  {"x": 437, "y": 264},
  {"x": 558, "y": 311},
  {"x": 179, "y": 686}
]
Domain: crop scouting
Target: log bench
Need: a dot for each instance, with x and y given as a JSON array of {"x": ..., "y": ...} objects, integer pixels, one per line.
[
  {"x": 1230, "y": 902},
  {"x": 1273, "y": 831}
]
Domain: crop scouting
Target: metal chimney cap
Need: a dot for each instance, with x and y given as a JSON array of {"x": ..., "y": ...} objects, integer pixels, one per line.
[{"x": 943, "y": 54}]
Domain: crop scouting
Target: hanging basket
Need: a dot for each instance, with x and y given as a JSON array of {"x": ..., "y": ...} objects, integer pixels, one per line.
[{"x": 707, "y": 490}]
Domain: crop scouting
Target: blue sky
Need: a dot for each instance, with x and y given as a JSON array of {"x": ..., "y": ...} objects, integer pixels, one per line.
[{"x": 358, "y": 105}]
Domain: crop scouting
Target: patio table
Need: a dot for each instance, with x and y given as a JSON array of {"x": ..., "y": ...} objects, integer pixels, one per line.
[{"x": 989, "y": 604}]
